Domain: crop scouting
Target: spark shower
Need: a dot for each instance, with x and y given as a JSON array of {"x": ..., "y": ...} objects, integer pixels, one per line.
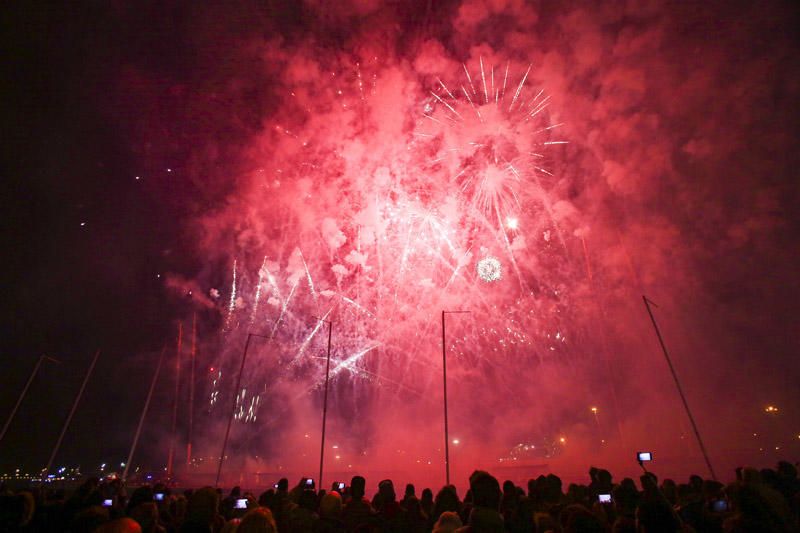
[{"x": 379, "y": 233}]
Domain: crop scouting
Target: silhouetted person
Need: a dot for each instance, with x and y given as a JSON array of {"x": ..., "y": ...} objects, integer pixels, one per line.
[
  {"x": 448, "y": 522},
  {"x": 330, "y": 514},
  {"x": 485, "y": 516},
  {"x": 409, "y": 493},
  {"x": 358, "y": 514},
  {"x": 393, "y": 518},
  {"x": 446, "y": 500},
  {"x": 417, "y": 519},
  {"x": 146, "y": 515},
  {"x": 258, "y": 520},
  {"x": 202, "y": 512},
  {"x": 426, "y": 502},
  {"x": 516, "y": 517},
  {"x": 303, "y": 516},
  {"x": 281, "y": 506}
]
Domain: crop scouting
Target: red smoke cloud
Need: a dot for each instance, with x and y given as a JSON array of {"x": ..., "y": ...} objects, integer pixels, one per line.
[{"x": 299, "y": 133}]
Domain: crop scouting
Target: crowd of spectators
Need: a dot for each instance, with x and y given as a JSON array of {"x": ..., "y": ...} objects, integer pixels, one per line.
[{"x": 757, "y": 501}]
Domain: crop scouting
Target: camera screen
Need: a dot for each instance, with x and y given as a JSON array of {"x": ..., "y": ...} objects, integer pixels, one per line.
[
  {"x": 241, "y": 503},
  {"x": 604, "y": 498},
  {"x": 309, "y": 482},
  {"x": 645, "y": 456},
  {"x": 158, "y": 496},
  {"x": 340, "y": 485},
  {"x": 719, "y": 506},
  {"x": 108, "y": 502}
]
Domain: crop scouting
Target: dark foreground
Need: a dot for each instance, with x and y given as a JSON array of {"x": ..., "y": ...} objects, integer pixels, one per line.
[{"x": 756, "y": 501}]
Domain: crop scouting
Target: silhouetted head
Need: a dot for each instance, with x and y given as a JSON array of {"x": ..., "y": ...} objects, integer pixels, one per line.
[
  {"x": 553, "y": 484},
  {"x": 236, "y": 492},
  {"x": 446, "y": 500},
  {"x": 143, "y": 494},
  {"x": 447, "y": 523},
  {"x": 485, "y": 490},
  {"x": 626, "y": 497},
  {"x": 531, "y": 487},
  {"x": 386, "y": 491},
  {"x": 410, "y": 490},
  {"x": 331, "y": 505},
  {"x": 427, "y": 495},
  {"x": 283, "y": 484},
  {"x": 203, "y": 506},
  {"x": 258, "y": 520},
  {"x": 357, "y": 487}
]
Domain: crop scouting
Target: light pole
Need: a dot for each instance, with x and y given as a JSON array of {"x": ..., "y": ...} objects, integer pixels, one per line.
[
  {"x": 24, "y": 392},
  {"x": 444, "y": 382}
]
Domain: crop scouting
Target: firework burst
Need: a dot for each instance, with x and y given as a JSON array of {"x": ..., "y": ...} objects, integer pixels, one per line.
[{"x": 381, "y": 232}]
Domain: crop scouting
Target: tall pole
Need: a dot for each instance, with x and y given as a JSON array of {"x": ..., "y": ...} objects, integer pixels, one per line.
[
  {"x": 678, "y": 385},
  {"x": 444, "y": 388},
  {"x": 173, "y": 439},
  {"x": 71, "y": 413},
  {"x": 23, "y": 393},
  {"x": 143, "y": 415},
  {"x": 233, "y": 407},
  {"x": 446, "y": 429},
  {"x": 191, "y": 390},
  {"x": 325, "y": 405}
]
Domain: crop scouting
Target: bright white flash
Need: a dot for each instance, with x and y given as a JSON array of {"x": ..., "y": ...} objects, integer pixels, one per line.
[{"x": 489, "y": 269}]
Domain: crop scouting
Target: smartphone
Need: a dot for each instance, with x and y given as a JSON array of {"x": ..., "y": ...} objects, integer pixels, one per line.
[
  {"x": 644, "y": 456},
  {"x": 275, "y": 486},
  {"x": 241, "y": 503},
  {"x": 308, "y": 484},
  {"x": 158, "y": 496},
  {"x": 604, "y": 498},
  {"x": 340, "y": 485},
  {"x": 108, "y": 502},
  {"x": 719, "y": 506}
]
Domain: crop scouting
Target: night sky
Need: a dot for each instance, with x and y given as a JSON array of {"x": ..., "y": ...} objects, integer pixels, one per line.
[{"x": 133, "y": 135}]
